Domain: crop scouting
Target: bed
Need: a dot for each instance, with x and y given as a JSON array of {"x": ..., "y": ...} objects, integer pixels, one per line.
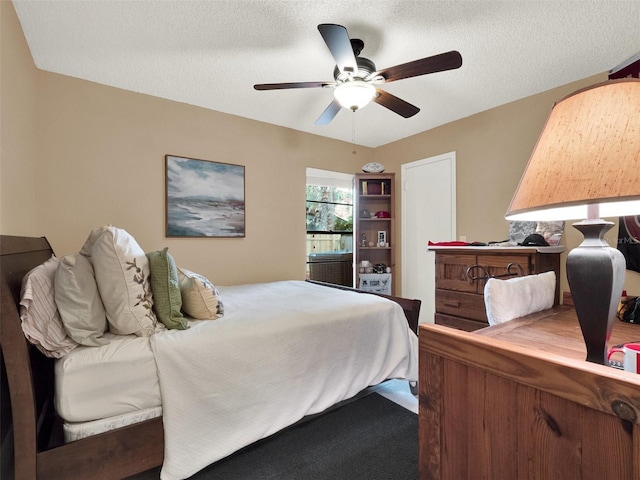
[{"x": 122, "y": 450}]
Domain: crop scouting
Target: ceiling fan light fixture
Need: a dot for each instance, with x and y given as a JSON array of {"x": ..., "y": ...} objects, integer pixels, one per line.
[
  {"x": 356, "y": 78},
  {"x": 354, "y": 94}
]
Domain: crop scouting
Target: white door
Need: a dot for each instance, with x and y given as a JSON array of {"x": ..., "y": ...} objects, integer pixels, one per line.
[{"x": 428, "y": 213}]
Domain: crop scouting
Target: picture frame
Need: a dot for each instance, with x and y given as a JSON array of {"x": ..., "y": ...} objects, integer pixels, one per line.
[
  {"x": 204, "y": 198},
  {"x": 382, "y": 238}
]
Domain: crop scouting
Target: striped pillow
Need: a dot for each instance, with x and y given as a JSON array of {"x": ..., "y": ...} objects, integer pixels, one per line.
[{"x": 41, "y": 322}]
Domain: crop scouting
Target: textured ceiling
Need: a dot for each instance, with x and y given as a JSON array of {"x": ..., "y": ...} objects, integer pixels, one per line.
[{"x": 211, "y": 53}]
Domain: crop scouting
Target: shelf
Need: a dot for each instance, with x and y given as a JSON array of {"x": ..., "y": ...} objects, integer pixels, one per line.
[
  {"x": 374, "y": 219},
  {"x": 374, "y": 248}
]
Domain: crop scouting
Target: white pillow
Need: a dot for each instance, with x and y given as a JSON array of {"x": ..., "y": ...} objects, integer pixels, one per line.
[
  {"x": 41, "y": 321},
  {"x": 200, "y": 298},
  {"x": 122, "y": 275},
  {"x": 79, "y": 302},
  {"x": 519, "y": 296},
  {"x": 85, "y": 251}
]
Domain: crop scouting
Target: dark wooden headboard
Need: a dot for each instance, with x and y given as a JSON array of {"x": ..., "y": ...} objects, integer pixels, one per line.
[{"x": 33, "y": 392}]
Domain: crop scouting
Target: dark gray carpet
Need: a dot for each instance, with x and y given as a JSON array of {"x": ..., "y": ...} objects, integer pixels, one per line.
[{"x": 371, "y": 438}]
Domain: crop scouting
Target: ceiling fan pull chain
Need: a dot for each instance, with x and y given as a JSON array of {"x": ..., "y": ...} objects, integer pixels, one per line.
[{"x": 353, "y": 132}]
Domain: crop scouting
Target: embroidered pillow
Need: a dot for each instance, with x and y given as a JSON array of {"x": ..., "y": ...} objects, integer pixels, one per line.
[
  {"x": 167, "y": 300},
  {"x": 79, "y": 302},
  {"x": 122, "y": 275},
  {"x": 200, "y": 298},
  {"x": 41, "y": 322}
]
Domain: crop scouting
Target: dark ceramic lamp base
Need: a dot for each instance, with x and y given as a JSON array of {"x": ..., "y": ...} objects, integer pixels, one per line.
[{"x": 596, "y": 277}]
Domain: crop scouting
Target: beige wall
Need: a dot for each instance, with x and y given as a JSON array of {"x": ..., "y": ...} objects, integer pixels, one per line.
[
  {"x": 78, "y": 154},
  {"x": 104, "y": 150},
  {"x": 492, "y": 149},
  {"x": 18, "y": 87},
  {"x": 100, "y": 153}
]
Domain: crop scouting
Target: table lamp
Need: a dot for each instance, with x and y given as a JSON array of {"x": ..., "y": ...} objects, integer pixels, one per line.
[{"x": 586, "y": 165}]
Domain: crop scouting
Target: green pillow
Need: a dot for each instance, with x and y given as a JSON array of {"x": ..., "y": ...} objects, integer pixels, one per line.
[{"x": 167, "y": 301}]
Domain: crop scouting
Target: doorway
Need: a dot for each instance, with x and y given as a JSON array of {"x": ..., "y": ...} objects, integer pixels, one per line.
[
  {"x": 428, "y": 213},
  {"x": 329, "y": 240}
]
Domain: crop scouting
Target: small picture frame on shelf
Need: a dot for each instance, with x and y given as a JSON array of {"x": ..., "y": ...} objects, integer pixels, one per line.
[{"x": 382, "y": 238}]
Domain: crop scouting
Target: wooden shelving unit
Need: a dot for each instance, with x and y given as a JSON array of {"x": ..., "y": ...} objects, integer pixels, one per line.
[{"x": 374, "y": 235}]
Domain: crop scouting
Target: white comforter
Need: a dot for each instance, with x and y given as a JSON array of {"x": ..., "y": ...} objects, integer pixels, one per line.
[{"x": 283, "y": 350}]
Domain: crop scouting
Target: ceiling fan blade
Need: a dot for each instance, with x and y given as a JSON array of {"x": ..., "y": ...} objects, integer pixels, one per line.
[
  {"x": 280, "y": 86},
  {"x": 395, "y": 104},
  {"x": 437, "y": 63},
  {"x": 329, "y": 113},
  {"x": 337, "y": 39}
]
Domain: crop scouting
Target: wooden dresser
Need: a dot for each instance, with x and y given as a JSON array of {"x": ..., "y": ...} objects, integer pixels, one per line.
[
  {"x": 518, "y": 401},
  {"x": 461, "y": 273}
]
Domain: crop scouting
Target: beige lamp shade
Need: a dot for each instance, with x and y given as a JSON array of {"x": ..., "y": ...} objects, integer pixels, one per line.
[{"x": 588, "y": 154}]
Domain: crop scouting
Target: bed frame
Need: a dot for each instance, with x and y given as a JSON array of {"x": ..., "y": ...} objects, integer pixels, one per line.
[
  {"x": 39, "y": 448},
  {"x": 411, "y": 307}
]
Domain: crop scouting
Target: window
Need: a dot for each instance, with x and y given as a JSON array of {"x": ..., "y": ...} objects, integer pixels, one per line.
[{"x": 329, "y": 212}]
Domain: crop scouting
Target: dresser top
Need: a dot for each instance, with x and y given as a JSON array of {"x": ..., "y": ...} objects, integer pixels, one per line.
[{"x": 493, "y": 249}]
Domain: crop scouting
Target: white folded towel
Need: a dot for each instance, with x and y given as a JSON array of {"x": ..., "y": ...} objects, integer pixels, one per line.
[{"x": 519, "y": 296}]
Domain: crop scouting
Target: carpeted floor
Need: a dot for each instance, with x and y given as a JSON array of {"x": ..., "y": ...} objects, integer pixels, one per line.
[{"x": 371, "y": 438}]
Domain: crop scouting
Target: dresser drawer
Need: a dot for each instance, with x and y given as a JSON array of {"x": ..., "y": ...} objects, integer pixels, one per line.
[
  {"x": 497, "y": 265},
  {"x": 451, "y": 273},
  {"x": 468, "y": 305}
]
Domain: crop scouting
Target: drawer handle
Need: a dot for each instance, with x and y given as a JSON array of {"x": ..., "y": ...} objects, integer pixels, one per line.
[
  {"x": 452, "y": 303},
  {"x": 473, "y": 276},
  {"x": 486, "y": 275}
]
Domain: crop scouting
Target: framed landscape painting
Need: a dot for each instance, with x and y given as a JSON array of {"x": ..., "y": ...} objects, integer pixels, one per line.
[{"x": 204, "y": 198}]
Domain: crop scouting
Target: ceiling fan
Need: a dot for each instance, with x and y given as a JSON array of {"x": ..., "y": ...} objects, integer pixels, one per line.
[{"x": 356, "y": 78}]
